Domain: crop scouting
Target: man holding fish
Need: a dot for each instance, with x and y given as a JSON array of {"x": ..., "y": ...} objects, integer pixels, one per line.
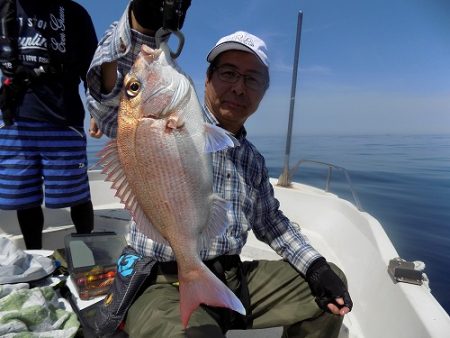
[{"x": 190, "y": 218}]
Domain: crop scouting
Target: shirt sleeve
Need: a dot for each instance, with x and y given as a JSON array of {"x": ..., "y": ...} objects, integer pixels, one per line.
[
  {"x": 270, "y": 225},
  {"x": 115, "y": 44},
  {"x": 121, "y": 44}
]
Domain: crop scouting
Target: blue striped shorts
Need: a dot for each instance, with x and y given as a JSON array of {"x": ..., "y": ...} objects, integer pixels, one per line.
[{"x": 36, "y": 154}]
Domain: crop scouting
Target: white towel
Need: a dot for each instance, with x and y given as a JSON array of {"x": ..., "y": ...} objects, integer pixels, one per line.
[
  {"x": 34, "y": 312},
  {"x": 16, "y": 266}
]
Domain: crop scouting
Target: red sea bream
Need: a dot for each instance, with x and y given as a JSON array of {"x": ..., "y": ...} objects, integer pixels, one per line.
[{"x": 161, "y": 169}]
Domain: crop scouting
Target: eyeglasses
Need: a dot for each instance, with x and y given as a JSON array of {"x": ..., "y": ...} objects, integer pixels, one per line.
[{"x": 230, "y": 75}]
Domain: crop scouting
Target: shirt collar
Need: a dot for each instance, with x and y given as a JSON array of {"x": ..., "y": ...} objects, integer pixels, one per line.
[{"x": 210, "y": 118}]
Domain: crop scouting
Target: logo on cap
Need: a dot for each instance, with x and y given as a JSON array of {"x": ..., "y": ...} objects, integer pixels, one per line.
[{"x": 245, "y": 39}]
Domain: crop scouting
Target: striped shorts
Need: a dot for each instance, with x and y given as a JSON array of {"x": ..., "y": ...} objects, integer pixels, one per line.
[{"x": 34, "y": 155}]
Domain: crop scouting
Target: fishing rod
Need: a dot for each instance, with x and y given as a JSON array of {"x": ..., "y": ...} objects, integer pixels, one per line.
[{"x": 285, "y": 178}]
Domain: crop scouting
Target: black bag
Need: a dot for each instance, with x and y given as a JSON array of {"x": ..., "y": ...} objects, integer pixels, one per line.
[{"x": 104, "y": 318}]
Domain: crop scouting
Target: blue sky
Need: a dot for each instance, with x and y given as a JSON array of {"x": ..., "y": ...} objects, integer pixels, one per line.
[{"x": 366, "y": 67}]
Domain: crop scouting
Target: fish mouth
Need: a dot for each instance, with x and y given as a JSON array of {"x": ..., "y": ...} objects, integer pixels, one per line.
[{"x": 150, "y": 53}]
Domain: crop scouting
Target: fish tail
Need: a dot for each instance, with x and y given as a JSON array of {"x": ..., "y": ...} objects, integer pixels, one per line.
[{"x": 203, "y": 287}]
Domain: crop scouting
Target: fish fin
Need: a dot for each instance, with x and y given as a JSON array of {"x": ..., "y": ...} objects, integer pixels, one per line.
[
  {"x": 201, "y": 286},
  {"x": 217, "y": 222},
  {"x": 147, "y": 228},
  {"x": 110, "y": 145},
  {"x": 109, "y": 159},
  {"x": 174, "y": 122},
  {"x": 218, "y": 139}
]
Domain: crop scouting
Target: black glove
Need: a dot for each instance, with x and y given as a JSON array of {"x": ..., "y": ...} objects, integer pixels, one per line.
[
  {"x": 326, "y": 286},
  {"x": 154, "y": 14}
]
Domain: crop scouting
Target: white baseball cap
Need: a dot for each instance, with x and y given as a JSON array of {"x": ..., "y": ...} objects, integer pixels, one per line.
[{"x": 240, "y": 41}]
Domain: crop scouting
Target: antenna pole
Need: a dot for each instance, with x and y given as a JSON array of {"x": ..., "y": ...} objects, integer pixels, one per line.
[{"x": 285, "y": 179}]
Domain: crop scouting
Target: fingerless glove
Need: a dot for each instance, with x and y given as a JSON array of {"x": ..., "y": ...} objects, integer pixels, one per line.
[{"x": 326, "y": 285}]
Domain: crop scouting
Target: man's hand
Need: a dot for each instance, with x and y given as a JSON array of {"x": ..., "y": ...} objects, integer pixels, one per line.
[
  {"x": 150, "y": 15},
  {"x": 329, "y": 290},
  {"x": 94, "y": 131}
]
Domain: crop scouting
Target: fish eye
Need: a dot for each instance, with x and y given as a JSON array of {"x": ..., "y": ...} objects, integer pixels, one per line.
[{"x": 133, "y": 88}]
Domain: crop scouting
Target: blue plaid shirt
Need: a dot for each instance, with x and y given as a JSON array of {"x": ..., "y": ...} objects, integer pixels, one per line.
[{"x": 239, "y": 174}]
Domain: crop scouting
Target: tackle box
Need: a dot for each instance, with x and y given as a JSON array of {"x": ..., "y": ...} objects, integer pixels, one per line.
[{"x": 92, "y": 261}]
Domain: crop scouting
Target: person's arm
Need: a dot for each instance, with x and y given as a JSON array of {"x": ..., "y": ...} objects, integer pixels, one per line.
[
  {"x": 146, "y": 17},
  {"x": 109, "y": 69},
  {"x": 273, "y": 227},
  {"x": 87, "y": 45},
  {"x": 86, "y": 41},
  {"x": 104, "y": 87},
  {"x": 114, "y": 57},
  {"x": 109, "y": 76}
]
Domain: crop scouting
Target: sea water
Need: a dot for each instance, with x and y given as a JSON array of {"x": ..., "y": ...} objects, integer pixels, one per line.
[{"x": 402, "y": 180}]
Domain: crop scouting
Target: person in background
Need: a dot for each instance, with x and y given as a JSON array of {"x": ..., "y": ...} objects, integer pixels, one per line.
[
  {"x": 46, "y": 47},
  {"x": 303, "y": 293}
]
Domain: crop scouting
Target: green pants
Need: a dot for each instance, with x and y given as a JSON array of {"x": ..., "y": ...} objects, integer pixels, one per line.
[{"x": 279, "y": 296}]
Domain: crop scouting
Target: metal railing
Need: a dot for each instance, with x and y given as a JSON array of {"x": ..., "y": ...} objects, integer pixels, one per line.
[{"x": 286, "y": 178}]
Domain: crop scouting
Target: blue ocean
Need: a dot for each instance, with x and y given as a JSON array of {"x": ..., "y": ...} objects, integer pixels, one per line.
[{"x": 402, "y": 180}]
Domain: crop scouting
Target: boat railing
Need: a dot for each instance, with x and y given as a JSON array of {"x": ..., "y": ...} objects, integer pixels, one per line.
[{"x": 286, "y": 181}]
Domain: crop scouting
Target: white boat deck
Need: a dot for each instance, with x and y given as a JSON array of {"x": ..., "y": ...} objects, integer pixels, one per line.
[{"x": 354, "y": 240}]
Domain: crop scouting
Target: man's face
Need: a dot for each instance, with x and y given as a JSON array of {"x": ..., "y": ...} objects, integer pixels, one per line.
[{"x": 232, "y": 103}]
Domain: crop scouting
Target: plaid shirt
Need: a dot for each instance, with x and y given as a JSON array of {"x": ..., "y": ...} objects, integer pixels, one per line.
[{"x": 239, "y": 174}]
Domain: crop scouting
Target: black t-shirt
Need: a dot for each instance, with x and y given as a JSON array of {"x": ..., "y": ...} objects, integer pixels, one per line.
[{"x": 59, "y": 33}]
